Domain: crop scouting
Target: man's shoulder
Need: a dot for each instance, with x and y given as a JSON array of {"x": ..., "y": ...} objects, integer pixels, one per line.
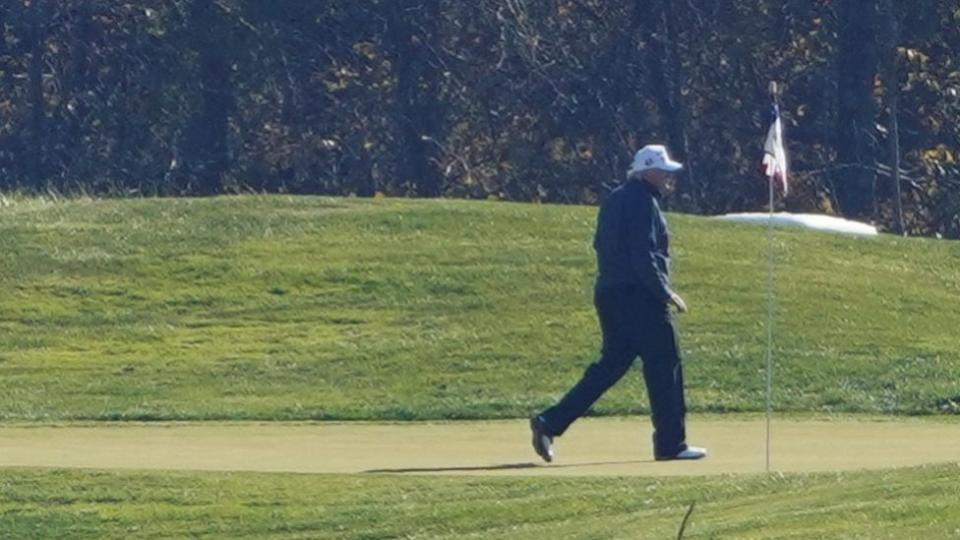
[
  {"x": 615, "y": 190},
  {"x": 630, "y": 192},
  {"x": 623, "y": 190},
  {"x": 611, "y": 197}
]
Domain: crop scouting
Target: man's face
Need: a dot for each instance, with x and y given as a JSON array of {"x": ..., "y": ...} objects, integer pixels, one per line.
[{"x": 663, "y": 181}]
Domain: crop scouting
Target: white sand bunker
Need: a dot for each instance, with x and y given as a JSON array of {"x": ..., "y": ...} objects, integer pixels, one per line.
[{"x": 807, "y": 221}]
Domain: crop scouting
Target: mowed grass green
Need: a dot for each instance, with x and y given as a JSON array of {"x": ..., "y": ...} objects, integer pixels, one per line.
[
  {"x": 277, "y": 307},
  {"x": 906, "y": 503}
]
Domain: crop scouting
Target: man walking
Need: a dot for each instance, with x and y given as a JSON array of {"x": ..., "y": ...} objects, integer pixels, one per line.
[{"x": 632, "y": 296}]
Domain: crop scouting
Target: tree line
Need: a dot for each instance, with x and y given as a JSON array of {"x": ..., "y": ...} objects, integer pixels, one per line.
[{"x": 526, "y": 100}]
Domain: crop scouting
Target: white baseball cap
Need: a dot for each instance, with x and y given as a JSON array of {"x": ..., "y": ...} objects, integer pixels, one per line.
[{"x": 653, "y": 156}]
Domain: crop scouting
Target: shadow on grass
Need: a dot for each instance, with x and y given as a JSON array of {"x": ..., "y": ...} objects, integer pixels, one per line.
[{"x": 502, "y": 467}]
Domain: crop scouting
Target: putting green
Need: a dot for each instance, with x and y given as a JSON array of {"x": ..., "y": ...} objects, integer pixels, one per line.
[{"x": 608, "y": 446}]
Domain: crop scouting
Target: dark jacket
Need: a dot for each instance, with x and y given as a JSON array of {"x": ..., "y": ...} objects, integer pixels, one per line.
[{"x": 632, "y": 241}]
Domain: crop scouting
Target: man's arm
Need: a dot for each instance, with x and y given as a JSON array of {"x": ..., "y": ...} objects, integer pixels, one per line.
[{"x": 643, "y": 244}]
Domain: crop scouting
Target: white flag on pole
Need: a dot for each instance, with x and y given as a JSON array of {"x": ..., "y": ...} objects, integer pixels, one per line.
[{"x": 774, "y": 156}]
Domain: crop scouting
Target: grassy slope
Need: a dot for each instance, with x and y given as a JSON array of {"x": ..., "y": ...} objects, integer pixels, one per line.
[
  {"x": 908, "y": 503},
  {"x": 297, "y": 308}
]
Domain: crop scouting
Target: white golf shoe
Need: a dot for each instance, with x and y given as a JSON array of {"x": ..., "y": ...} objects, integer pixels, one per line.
[{"x": 691, "y": 452}]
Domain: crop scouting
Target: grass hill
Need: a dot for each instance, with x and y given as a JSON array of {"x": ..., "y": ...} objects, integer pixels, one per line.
[{"x": 281, "y": 307}]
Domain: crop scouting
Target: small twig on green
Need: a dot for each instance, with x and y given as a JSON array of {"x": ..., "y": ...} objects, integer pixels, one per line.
[{"x": 683, "y": 524}]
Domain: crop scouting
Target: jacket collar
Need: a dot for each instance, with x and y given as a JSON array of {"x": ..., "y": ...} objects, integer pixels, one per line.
[{"x": 646, "y": 186}]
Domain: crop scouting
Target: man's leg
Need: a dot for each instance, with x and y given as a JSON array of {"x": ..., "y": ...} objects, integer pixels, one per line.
[
  {"x": 617, "y": 320},
  {"x": 597, "y": 379},
  {"x": 663, "y": 374}
]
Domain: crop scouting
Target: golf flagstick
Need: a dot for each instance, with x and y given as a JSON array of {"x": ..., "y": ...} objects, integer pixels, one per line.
[
  {"x": 775, "y": 162},
  {"x": 769, "y": 359}
]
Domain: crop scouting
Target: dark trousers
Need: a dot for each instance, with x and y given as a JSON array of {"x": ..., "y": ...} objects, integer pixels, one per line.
[{"x": 632, "y": 325}]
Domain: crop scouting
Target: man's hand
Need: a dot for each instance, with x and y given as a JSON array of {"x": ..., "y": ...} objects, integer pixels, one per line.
[{"x": 678, "y": 302}]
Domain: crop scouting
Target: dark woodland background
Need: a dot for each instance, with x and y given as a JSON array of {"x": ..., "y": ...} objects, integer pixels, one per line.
[{"x": 524, "y": 100}]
